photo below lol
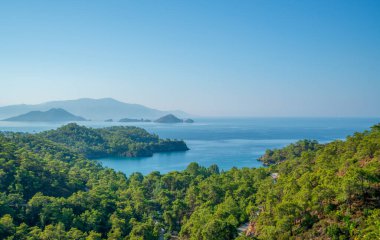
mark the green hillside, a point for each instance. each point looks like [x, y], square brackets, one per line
[50, 191]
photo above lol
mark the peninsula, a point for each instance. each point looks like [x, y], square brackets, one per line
[125, 141]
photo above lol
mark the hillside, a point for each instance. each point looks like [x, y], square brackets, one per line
[326, 191]
[49, 191]
[52, 115]
[92, 109]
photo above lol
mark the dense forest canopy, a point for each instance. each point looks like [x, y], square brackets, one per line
[49, 190]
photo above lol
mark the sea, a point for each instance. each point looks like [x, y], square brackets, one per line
[227, 142]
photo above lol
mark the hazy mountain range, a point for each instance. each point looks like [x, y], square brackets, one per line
[52, 115]
[92, 109]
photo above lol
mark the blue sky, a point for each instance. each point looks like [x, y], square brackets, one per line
[212, 58]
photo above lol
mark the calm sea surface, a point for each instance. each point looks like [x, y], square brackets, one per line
[225, 142]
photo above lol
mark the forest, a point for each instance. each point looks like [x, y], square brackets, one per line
[50, 190]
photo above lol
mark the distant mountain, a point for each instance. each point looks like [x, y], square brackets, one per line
[170, 118]
[52, 115]
[92, 109]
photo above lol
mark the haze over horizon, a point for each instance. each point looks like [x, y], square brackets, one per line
[246, 58]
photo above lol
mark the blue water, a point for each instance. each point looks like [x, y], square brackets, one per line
[225, 142]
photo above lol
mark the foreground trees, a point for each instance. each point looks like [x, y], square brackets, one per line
[49, 190]
[328, 193]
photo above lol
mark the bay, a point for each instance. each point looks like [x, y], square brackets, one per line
[227, 142]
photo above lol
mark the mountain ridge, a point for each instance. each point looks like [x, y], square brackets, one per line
[92, 109]
[51, 115]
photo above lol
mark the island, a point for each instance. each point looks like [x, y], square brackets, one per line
[170, 118]
[52, 115]
[122, 141]
[134, 120]
[108, 120]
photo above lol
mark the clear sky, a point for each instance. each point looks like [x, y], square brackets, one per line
[219, 58]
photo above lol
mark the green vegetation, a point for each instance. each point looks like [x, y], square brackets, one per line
[328, 191]
[112, 141]
[50, 191]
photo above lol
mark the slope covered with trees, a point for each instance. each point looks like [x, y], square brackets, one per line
[50, 191]
[329, 193]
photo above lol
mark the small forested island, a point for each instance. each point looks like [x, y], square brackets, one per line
[134, 120]
[170, 118]
[49, 190]
[52, 115]
[112, 141]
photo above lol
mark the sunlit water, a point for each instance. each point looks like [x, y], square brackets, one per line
[225, 142]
